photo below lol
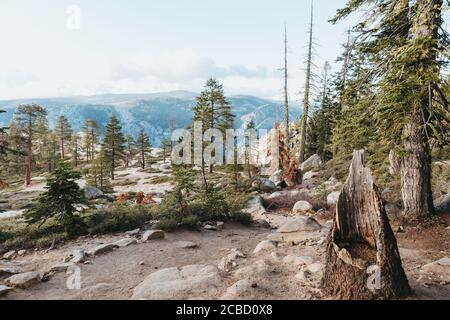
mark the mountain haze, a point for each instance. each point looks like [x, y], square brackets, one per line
[149, 111]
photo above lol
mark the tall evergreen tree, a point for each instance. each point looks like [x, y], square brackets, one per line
[130, 149]
[213, 109]
[113, 145]
[98, 174]
[405, 41]
[144, 147]
[64, 132]
[26, 117]
[91, 133]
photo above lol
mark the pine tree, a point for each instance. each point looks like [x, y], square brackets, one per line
[405, 45]
[26, 117]
[248, 149]
[59, 200]
[286, 95]
[64, 132]
[91, 133]
[113, 145]
[75, 149]
[144, 147]
[213, 110]
[98, 174]
[130, 149]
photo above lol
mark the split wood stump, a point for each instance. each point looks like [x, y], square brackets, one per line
[362, 258]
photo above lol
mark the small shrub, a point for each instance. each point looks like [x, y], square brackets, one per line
[117, 218]
[243, 218]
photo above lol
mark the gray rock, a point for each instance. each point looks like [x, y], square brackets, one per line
[333, 198]
[103, 248]
[442, 204]
[153, 235]
[310, 175]
[125, 242]
[298, 261]
[21, 253]
[277, 178]
[8, 272]
[256, 209]
[314, 267]
[187, 245]
[314, 162]
[228, 263]
[300, 224]
[133, 233]
[220, 225]
[210, 227]
[10, 255]
[262, 224]
[62, 267]
[177, 283]
[4, 290]
[24, 280]
[239, 288]
[302, 207]
[265, 185]
[92, 193]
[76, 256]
[259, 268]
[265, 245]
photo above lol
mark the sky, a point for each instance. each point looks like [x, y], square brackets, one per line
[85, 47]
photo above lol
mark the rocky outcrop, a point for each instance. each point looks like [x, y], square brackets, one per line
[333, 198]
[264, 185]
[265, 245]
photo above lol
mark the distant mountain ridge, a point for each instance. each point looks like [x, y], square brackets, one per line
[149, 111]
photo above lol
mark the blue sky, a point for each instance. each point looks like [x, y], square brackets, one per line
[151, 45]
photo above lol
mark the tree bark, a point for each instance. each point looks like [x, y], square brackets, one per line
[362, 259]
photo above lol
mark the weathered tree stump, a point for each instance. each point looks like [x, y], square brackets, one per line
[362, 259]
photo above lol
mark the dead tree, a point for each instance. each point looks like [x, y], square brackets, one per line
[362, 259]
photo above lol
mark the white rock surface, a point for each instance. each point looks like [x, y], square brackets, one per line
[310, 175]
[62, 267]
[76, 256]
[259, 268]
[177, 283]
[186, 245]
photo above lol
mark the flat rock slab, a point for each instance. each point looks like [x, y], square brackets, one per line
[76, 256]
[440, 268]
[153, 235]
[62, 267]
[295, 237]
[24, 280]
[300, 224]
[187, 245]
[4, 290]
[177, 283]
[125, 242]
[104, 248]
[7, 272]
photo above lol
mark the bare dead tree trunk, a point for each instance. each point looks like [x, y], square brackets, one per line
[304, 121]
[362, 259]
[286, 96]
